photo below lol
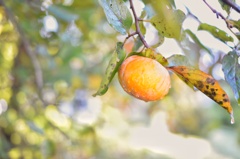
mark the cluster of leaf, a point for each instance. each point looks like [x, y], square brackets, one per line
[168, 22]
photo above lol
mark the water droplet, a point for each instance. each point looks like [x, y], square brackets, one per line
[232, 118]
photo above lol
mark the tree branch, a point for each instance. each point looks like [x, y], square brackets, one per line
[219, 15]
[215, 11]
[232, 4]
[229, 25]
[137, 25]
[27, 46]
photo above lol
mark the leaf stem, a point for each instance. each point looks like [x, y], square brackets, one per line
[137, 25]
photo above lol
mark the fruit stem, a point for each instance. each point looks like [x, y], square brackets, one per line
[129, 35]
[137, 25]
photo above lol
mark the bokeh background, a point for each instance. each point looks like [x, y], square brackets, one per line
[52, 61]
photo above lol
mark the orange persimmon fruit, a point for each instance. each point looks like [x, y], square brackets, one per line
[144, 78]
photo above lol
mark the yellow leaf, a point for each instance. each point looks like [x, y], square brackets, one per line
[206, 84]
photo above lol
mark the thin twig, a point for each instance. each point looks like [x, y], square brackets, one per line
[130, 35]
[232, 4]
[229, 25]
[137, 25]
[27, 46]
[215, 11]
[192, 15]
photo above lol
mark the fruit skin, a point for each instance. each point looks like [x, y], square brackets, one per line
[144, 78]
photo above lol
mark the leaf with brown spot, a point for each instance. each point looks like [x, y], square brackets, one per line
[116, 60]
[206, 84]
[168, 22]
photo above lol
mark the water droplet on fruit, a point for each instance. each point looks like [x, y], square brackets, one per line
[232, 118]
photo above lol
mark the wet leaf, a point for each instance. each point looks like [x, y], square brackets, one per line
[231, 69]
[216, 32]
[116, 60]
[206, 84]
[150, 53]
[178, 60]
[118, 15]
[169, 23]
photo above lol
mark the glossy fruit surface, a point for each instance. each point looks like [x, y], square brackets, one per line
[144, 78]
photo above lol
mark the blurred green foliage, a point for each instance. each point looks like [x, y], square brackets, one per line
[62, 120]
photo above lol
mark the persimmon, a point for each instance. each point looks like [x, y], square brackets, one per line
[144, 78]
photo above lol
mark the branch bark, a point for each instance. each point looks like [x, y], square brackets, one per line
[232, 4]
[137, 25]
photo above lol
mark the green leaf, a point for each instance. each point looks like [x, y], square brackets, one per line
[141, 24]
[118, 15]
[178, 60]
[196, 40]
[216, 32]
[231, 69]
[62, 13]
[116, 60]
[225, 6]
[158, 5]
[169, 23]
[151, 53]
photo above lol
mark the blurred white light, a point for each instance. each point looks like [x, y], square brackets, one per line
[59, 119]
[68, 2]
[76, 63]
[66, 108]
[159, 139]
[89, 115]
[169, 47]
[139, 7]
[46, 4]
[205, 61]
[50, 24]
[217, 72]
[49, 95]
[191, 24]
[3, 106]
[72, 34]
